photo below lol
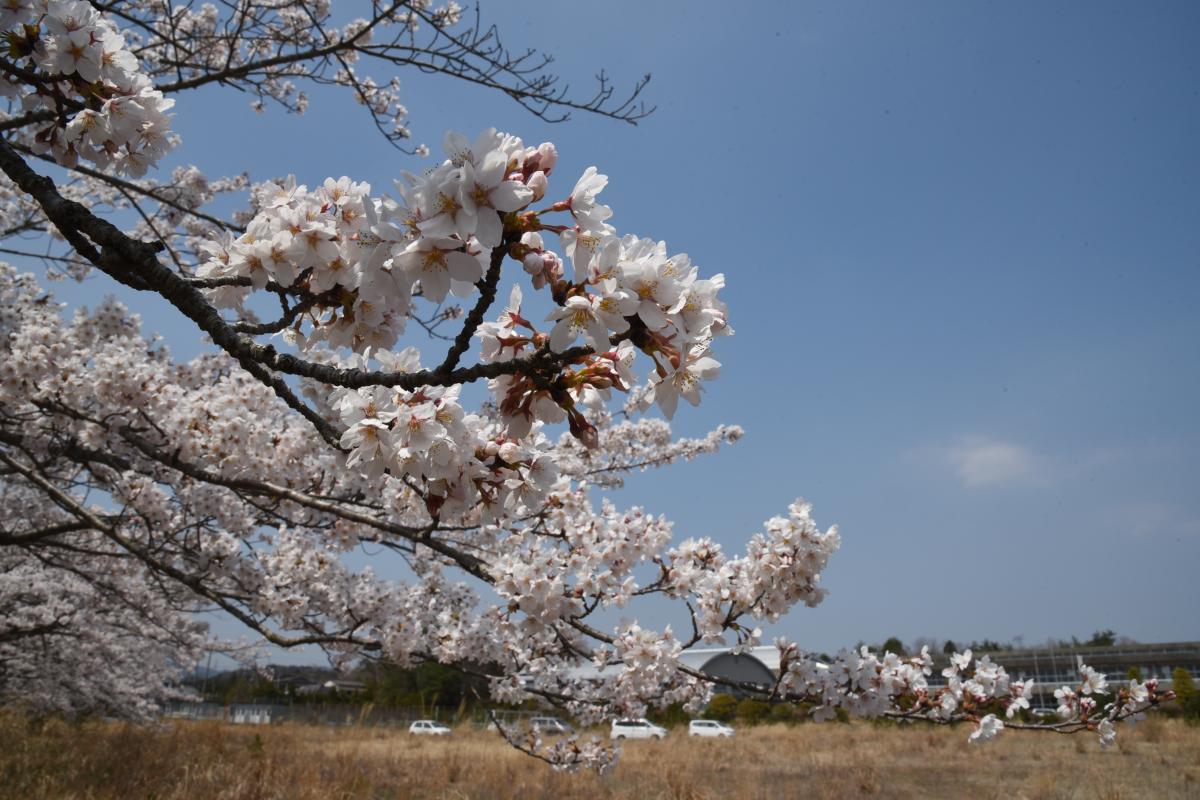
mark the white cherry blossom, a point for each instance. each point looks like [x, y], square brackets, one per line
[989, 727]
[434, 262]
[683, 381]
[589, 214]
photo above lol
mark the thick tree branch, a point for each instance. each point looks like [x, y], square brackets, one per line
[136, 264]
[48, 532]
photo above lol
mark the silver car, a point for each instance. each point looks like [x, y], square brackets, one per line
[636, 729]
[428, 727]
[709, 727]
[550, 726]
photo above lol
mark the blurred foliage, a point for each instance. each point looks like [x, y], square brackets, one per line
[1104, 638]
[670, 717]
[785, 713]
[1186, 694]
[723, 708]
[752, 712]
[427, 685]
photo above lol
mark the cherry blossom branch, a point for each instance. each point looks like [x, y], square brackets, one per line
[469, 563]
[290, 315]
[28, 118]
[487, 296]
[50, 531]
[132, 186]
[136, 265]
[194, 582]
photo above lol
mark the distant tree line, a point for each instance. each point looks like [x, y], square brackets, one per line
[428, 685]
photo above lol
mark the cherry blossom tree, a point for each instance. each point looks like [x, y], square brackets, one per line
[140, 489]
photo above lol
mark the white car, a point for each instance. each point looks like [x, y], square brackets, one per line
[636, 729]
[709, 727]
[550, 726]
[428, 727]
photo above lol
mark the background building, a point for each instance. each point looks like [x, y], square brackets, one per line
[1053, 666]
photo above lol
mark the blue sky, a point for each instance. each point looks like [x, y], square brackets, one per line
[962, 244]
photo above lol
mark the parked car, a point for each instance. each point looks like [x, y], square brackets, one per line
[636, 729]
[709, 727]
[428, 727]
[550, 726]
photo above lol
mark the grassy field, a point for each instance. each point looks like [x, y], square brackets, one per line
[114, 761]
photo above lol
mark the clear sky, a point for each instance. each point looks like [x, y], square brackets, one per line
[962, 244]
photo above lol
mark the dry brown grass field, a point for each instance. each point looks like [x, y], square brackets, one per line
[1158, 758]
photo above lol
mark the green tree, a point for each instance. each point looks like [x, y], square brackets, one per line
[949, 648]
[1186, 694]
[669, 717]
[988, 646]
[427, 685]
[1183, 683]
[722, 707]
[893, 645]
[752, 712]
[783, 712]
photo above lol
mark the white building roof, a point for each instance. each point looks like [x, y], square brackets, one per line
[696, 659]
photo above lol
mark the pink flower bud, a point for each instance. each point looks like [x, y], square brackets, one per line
[537, 181]
[552, 265]
[534, 263]
[547, 156]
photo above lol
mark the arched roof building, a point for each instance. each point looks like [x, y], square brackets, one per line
[756, 665]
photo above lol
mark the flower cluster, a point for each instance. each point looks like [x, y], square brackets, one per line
[358, 261]
[625, 289]
[86, 632]
[635, 445]
[353, 265]
[866, 684]
[782, 567]
[459, 460]
[119, 119]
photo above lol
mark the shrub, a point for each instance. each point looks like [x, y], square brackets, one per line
[752, 712]
[783, 712]
[722, 707]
